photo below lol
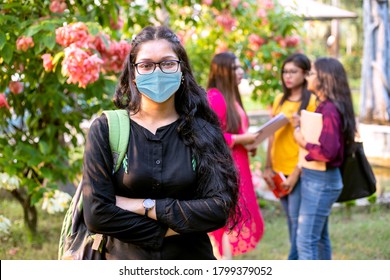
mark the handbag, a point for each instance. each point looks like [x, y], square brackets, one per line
[358, 177]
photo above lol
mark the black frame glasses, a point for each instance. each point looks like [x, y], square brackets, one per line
[291, 72]
[166, 66]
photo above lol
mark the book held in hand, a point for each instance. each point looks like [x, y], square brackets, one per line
[311, 127]
[270, 127]
[279, 191]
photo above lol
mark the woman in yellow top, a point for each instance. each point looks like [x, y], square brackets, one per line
[282, 153]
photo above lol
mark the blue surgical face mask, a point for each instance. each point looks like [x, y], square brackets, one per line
[159, 86]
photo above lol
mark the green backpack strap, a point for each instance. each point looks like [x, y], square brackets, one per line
[119, 132]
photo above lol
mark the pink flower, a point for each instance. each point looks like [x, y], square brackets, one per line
[73, 33]
[3, 101]
[15, 87]
[235, 3]
[250, 54]
[268, 66]
[269, 4]
[292, 41]
[185, 35]
[276, 54]
[58, 6]
[255, 41]
[222, 47]
[113, 55]
[282, 43]
[207, 2]
[278, 38]
[226, 21]
[100, 43]
[24, 43]
[80, 67]
[47, 62]
[13, 251]
[116, 25]
[261, 13]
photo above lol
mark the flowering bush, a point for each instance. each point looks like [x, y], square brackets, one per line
[259, 32]
[9, 183]
[59, 66]
[56, 202]
[5, 225]
[60, 61]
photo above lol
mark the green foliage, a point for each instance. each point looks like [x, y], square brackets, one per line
[41, 134]
[276, 31]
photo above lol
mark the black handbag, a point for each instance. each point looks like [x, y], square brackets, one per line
[358, 178]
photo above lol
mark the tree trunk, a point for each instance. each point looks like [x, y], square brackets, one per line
[30, 214]
[375, 91]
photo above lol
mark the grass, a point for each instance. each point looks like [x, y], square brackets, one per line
[19, 245]
[361, 233]
[357, 233]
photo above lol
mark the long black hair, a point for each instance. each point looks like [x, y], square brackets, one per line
[303, 62]
[223, 77]
[333, 83]
[215, 165]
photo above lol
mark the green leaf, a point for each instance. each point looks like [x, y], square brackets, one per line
[47, 173]
[61, 78]
[33, 30]
[93, 28]
[7, 52]
[49, 40]
[57, 57]
[43, 147]
[3, 40]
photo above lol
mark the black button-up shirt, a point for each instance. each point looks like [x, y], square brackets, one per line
[161, 167]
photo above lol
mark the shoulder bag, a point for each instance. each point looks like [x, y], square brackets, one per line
[358, 178]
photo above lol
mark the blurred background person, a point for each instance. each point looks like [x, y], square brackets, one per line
[320, 189]
[225, 75]
[282, 151]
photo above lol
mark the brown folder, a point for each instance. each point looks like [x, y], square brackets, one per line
[311, 126]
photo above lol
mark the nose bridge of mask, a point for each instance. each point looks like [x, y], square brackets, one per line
[159, 82]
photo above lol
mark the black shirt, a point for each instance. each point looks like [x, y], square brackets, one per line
[160, 167]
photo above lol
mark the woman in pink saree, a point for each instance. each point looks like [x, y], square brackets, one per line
[225, 75]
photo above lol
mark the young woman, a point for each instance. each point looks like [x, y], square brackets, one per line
[320, 189]
[180, 182]
[225, 75]
[282, 152]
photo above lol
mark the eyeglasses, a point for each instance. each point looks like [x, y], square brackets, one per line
[166, 66]
[291, 72]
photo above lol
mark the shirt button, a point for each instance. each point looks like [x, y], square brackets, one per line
[158, 161]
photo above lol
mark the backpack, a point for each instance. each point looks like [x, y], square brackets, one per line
[76, 242]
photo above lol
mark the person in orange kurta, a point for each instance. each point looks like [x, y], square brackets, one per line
[225, 75]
